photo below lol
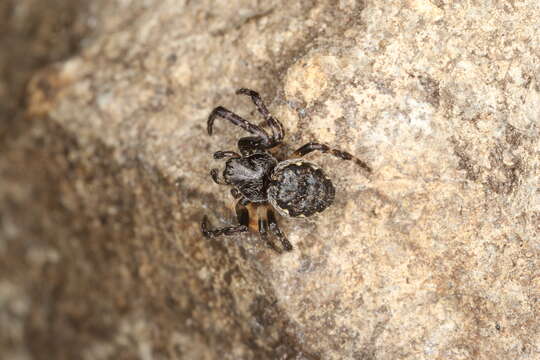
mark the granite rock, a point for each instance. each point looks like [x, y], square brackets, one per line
[435, 255]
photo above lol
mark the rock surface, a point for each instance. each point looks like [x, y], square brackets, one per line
[433, 256]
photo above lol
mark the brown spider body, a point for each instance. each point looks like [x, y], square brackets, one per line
[294, 187]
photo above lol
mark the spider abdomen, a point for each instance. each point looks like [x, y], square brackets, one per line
[298, 188]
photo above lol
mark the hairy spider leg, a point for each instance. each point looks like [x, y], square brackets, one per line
[263, 228]
[220, 111]
[226, 154]
[277, 128]
[229, 230]
[273, 225]
[242, 213]
[214, 173]
[249, 145]
[235, 193]
[312, 146]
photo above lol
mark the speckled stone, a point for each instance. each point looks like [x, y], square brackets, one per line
[433, 256]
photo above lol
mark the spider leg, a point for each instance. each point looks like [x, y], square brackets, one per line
[238, 196]
[235, 193]
[251, 144]
[220, 111]
[242, 213]
[263, 231]
[277, 231]
[311, 146]
[277, 128]
[214, 173]
[223, 154]
[229, 230]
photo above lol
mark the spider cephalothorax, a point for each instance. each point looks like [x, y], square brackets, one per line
[261, 183]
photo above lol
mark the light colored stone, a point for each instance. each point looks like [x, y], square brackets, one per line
[434, 256]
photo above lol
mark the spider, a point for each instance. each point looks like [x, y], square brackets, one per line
[260, 183]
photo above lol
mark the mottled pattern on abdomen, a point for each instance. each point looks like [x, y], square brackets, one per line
[299, 188]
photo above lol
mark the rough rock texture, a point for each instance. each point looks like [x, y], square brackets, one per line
[33, 33]
[434, 256]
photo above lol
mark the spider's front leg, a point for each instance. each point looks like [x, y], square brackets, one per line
[226, 154]
[312, 146]
[251, 144]
[277, 128]
[214, 173]
[224, 113]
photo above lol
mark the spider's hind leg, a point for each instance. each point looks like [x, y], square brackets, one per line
[243, 215]
[273, 225]
[312, 146]
[263, 223]
[229, 230]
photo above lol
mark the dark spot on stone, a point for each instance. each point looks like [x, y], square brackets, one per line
[45, 88]
[528, 80]
[228, 275]
[507, 180]
[431, 87]
[465, 162]
[178, 181]
[264, 311]
[365, 354]
[243, 253]
[305, 263]
[103, 219]
[513, 136]
[171, 59]
[171, 302]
